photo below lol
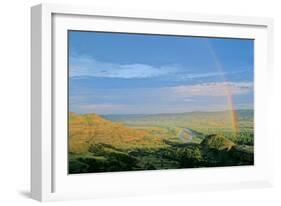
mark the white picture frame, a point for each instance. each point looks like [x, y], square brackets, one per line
[49, 178]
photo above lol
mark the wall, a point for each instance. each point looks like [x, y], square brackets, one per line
[15, 95]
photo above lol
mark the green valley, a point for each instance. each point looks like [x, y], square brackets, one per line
[136, 142]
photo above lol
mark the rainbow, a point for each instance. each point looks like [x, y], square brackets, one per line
[228, 92]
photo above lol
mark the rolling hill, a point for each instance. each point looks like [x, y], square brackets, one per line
[88, 129]
[164, 141]
[204, 122]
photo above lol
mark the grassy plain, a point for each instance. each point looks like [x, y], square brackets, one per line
[164, 141]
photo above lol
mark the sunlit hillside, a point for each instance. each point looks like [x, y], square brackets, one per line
[88, 129]
[164, 141]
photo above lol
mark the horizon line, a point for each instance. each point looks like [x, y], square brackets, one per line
[164, 113]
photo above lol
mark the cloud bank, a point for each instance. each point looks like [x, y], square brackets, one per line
[87, 66]
[184, 98]
[213, 89]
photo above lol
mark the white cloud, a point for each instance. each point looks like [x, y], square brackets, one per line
[210, 74]
[185, 98]
[213, 89]
[81, 66]
[86, 66]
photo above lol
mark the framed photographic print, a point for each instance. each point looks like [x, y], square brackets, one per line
[137, 102]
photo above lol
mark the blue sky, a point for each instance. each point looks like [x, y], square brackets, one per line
[114, 73]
